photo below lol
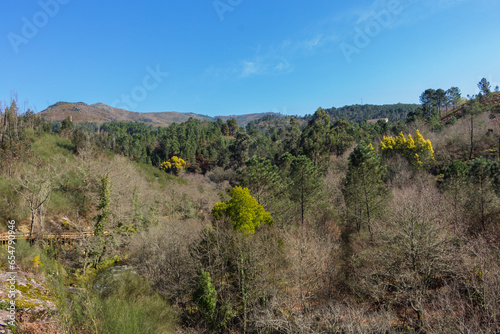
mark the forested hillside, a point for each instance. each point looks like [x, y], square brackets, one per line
[360, 113]
[327, 224]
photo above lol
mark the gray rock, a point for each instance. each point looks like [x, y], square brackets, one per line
[4, 318]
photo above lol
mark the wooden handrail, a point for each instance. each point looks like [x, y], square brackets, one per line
[64, 235]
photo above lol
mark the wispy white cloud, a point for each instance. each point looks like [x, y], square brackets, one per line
[250, 68]
[310, 44]
[282, 66]
[278, 59]
[324, 34]
[275, 60]
[268, 64]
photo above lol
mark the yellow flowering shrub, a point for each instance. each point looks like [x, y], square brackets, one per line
[174, 165]
[37, 262]
[418, 151]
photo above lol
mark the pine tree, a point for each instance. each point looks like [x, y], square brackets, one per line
[484, 86]
[104, 205]
[364, 188]
[305, 184]
[453, 96]
[343, 136]
[427, 98]
[317, 138]
[263, 179]
[483, 204]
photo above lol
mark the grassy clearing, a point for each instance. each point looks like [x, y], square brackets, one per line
[49, 146]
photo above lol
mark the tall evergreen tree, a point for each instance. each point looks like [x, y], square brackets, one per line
[483, 204]
[484, 86]
[305, 184]
[292, 137]
[104, 205]
[316, 140]
[453, 96]
[427, 100]
[263, 179]
[344, 136]
[364, 188]
[439, 99]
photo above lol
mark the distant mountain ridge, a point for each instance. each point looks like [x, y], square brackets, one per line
[81, 112]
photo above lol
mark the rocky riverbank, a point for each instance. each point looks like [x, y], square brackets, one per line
[34, 306]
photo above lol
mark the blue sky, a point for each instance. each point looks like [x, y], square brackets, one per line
[228, 57]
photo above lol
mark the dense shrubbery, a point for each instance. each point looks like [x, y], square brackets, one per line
[304, 228]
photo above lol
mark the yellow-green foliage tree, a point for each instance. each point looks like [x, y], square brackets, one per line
[174, 165]
[240, 217]
[419, 152]
[245, 213]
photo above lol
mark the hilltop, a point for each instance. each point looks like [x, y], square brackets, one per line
[81, 112]
[492, 102]
[101, 113]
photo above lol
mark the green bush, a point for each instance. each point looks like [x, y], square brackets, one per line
[126, 304]
[153, 174]
[10, 207]
[59, 204]
[49, 145]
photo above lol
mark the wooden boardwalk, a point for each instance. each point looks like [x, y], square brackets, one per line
[65, 237]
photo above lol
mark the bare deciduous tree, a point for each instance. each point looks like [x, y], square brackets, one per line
[414, 253]
[35, 186]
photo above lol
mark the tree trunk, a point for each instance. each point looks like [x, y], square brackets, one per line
[243, 291]
[302, 205]
[471, 136]
[367, 203]
[32, 223]
[483, 219]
